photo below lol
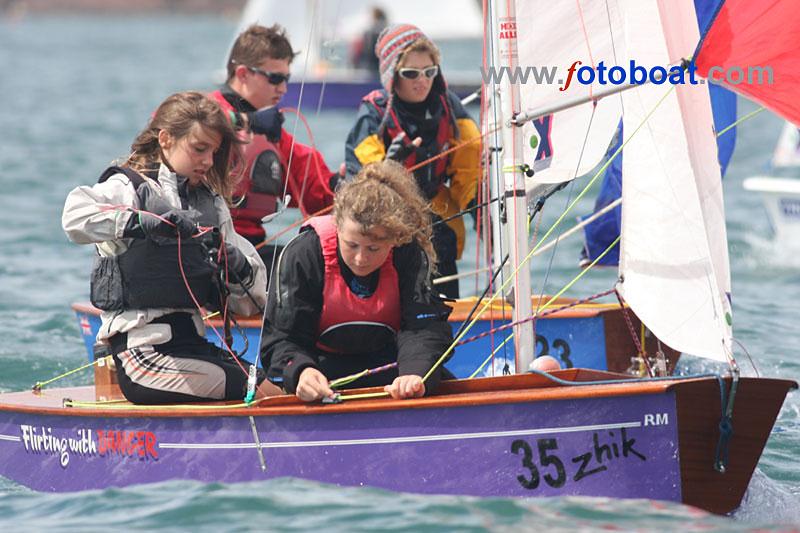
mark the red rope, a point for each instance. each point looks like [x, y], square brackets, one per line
[642, 354]
[313, 157]
[202, 230]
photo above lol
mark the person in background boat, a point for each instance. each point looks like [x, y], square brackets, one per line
[140, 216]
[258, 77]
[353, 292]
[362, 53]
[413, 118]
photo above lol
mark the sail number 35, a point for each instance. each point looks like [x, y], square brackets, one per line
[558, 475]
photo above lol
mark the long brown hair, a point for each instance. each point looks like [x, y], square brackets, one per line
[385, 195]
[177, 115]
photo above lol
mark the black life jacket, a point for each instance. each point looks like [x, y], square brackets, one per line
[148, 274]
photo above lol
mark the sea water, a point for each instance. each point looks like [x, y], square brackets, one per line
[77, 91]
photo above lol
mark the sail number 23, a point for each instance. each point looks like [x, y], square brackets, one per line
[543, 348]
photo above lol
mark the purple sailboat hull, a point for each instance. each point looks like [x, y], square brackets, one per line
[595, 447]
[508, 437]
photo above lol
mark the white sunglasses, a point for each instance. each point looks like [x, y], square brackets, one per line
[414, 73]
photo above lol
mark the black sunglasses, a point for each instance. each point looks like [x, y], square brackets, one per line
[414, 73]
[275, 78]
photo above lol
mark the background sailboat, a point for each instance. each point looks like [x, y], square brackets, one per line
[780, 189]
[323, 33]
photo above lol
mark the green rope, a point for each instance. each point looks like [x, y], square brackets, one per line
[560, 219]
[491, 355]
[41, 384]
[740, 120]
[133, 407]
[364, 395]
[511, 336]
[581, 274]
[571, 283]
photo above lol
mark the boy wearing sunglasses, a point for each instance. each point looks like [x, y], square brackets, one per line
[413, 118]
[258, 74]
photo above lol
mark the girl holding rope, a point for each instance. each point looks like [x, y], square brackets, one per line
[353, 291]
[166, 246]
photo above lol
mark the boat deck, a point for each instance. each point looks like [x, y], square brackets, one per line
[517, 388]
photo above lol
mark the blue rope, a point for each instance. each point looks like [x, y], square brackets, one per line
[618, 381]
[725, 432]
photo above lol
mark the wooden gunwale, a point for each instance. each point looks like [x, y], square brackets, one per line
[461, 309]
[459, 393]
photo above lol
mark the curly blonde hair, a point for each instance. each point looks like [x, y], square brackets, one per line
[385, 195]
[177, 115]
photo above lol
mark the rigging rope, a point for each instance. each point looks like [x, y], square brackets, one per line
[538, 315]
[562, 291]
[39, 385]
[632, 330]
[552, 228]
[572, 186]
[68, 402]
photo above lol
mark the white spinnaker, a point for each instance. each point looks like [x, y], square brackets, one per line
[558, 34]
[673, 257]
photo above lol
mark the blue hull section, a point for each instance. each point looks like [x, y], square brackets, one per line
[576, 341]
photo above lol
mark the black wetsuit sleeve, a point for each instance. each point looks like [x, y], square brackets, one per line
[424, 331]
[294, 306]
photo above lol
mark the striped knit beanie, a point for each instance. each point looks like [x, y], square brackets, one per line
[391, 42]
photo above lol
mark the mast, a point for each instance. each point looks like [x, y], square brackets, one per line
[511, 212]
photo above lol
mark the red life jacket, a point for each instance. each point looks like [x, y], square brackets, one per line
[348, 323]
[252, 205]
[431, 176]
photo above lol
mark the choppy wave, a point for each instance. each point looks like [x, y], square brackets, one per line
[295, 505]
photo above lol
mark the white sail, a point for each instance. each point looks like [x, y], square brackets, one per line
[787, 151]
[558, 34]
[440, 20]
[674, 258]
[320, 29]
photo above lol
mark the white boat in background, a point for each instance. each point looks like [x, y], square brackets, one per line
[780, 191]
[322, 33]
